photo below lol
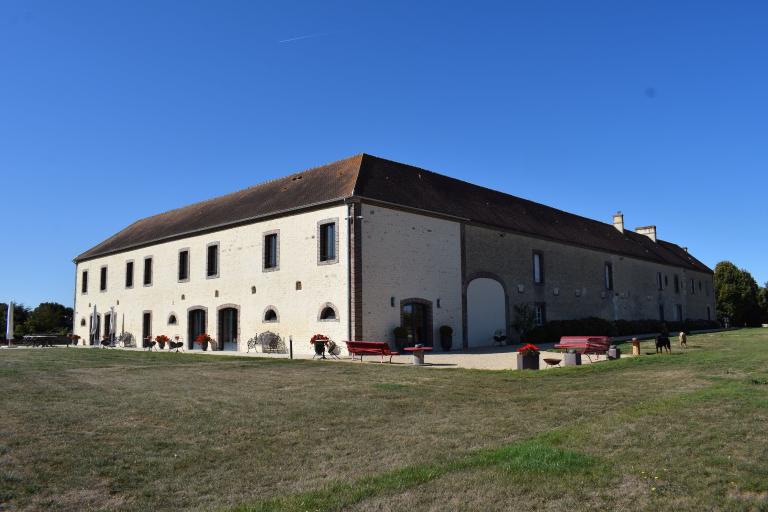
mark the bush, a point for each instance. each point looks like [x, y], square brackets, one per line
[552, 331]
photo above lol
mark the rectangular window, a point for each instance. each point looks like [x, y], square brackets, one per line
[659, 281]
[327, 242]
[679, 312]
[212, 261]
[538, 268]
[103, 279]
[709, 313]
[699, 286]
[183, 265]
[677, 284]
[84, 282]
[609, 276]
[129, 274]
[271, 252]
[148, 271]
[661, 312]
[540, 313]
[693, 287]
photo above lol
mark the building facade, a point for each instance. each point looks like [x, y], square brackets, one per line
[358, 247]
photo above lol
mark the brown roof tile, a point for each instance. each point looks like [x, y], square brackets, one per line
[373, 178]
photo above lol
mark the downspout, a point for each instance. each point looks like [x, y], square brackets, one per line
[350, 220]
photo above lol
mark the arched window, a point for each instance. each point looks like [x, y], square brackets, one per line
[172, 319]
[82, 322]
[328, 313]
[270, 314]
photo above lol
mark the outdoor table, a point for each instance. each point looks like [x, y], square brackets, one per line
[418, 354]
[635, 347]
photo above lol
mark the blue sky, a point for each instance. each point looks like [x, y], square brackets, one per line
[112, 111]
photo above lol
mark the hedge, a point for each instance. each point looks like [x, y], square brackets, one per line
[592, 326]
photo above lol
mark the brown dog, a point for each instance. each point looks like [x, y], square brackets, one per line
[683, 338]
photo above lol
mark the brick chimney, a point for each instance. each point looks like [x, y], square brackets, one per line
[618, 221]
[649, 231]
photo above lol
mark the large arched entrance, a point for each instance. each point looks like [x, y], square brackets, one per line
[486, 311]
[196, 325]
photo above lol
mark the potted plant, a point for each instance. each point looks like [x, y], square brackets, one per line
[203, 339]
[162, 340]
[401, 337]
[528, 357]
[446, 337]
[318, 341]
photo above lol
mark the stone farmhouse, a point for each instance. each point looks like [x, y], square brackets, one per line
[358, 247]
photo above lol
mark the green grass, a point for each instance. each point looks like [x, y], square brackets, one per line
[112, 430]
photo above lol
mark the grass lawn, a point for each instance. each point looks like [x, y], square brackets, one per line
[118, 430]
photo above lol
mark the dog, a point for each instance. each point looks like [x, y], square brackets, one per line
[683, 339]
[662, 342]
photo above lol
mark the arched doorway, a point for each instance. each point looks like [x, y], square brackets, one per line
[228, 328]
[196, 325]
[486, 311]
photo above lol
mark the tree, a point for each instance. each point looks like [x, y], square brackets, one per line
[20, 315]
[762, 302]
[49, 317]
[736, 292]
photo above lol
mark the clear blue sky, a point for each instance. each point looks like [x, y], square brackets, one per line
[112, 111]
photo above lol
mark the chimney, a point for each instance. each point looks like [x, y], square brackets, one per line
[649, 231]
[618, 221]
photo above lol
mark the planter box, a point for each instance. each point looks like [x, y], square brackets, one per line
[527, 362]
[571, 359]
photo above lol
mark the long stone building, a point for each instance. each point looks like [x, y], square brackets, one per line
[358, 247]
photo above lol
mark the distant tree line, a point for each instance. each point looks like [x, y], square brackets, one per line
[47, 318]
[739, 298]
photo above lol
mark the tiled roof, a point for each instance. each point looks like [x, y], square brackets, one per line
[369, 177]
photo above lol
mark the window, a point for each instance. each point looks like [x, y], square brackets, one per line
[661, 312]
[659, 282]
[677, 284]
[666, 280]
[679, 312]
[609, 276]
[326, 238]
[103, 279]
[540, 313]
[538, 268]
[212, 261]
[184, 265]
[129, 274]
[148, 271]
[706, 289]
[172, 319]
[693, 287]
[271, 252]
[84, 282]
[270, 315]
[328, 313]
[709, 313]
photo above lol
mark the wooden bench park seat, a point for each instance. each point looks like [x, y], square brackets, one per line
[361, 348]
[585, 345]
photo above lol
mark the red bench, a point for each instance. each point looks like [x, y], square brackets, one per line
[361, 348]
[586, 344]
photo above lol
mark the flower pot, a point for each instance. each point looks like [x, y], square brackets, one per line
[320, 348]
[161, 344]
[446, 341]
[527, 361]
